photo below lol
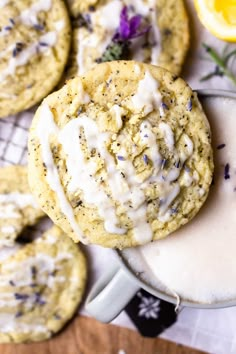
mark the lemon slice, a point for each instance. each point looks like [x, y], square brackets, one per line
[219, 17]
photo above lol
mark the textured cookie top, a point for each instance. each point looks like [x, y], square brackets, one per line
[77, 6]
[150, 31]
[41, 286]
[125, 156]
[18, 207]
[34, 46]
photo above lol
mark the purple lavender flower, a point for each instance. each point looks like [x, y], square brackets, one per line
[129, 29]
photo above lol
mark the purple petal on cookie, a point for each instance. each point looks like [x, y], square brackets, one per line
[226, 171]
[121, 158]
[145, 159]
[163, 163]
[43, 44]
[21, 296]
[163, 105]
[189, 105]
[38, 27]
[39, 300]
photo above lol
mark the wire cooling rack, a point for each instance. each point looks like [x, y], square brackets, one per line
[13, 151]
[13, 138]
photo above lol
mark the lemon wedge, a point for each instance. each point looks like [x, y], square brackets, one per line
[219, 17]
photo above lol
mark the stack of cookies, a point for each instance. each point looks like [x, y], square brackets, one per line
[119, 156]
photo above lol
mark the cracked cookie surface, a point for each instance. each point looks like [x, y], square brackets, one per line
[34, 47]
[125, 158]
[41, 286]
[165, 44]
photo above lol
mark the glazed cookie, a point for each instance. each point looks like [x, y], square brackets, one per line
[125, 157]
[34, 47]
[41, 286]
[161, 38]
[18, 208]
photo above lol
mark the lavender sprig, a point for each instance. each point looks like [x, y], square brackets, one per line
[222, 64]
[129, 29]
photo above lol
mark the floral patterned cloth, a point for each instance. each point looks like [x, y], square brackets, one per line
[150, 315]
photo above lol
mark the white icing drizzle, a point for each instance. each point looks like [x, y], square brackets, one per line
[6, 252]
[52, 177]
[165, 203]
[48, 238]
[117, 111]
[49, 40]
[169, 189]
[134, 197]
[187, 179]
[168, 135]
[109, 15]
[189, 143]
[7, 229]
[12, 203]
[21, 274]
[4, 32]
[201, 192]
[83, 177]
[5, 51]
[137, 69]
[9, 211]
[155, 35]
[147, 96]
[19, 199]
[83, 96]
[29, 16]
[148, 9]
[3, 3]
[149, 139]
[89, 40]
[59, 25]
[83, 172]
[80, 54]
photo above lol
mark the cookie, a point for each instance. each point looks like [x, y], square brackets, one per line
[165, 44]
[41, 286]
[18, 207]
[34, 47]
[75, 7]
[125, 157]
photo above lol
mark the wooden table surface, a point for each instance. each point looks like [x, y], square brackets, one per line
[87, 336]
